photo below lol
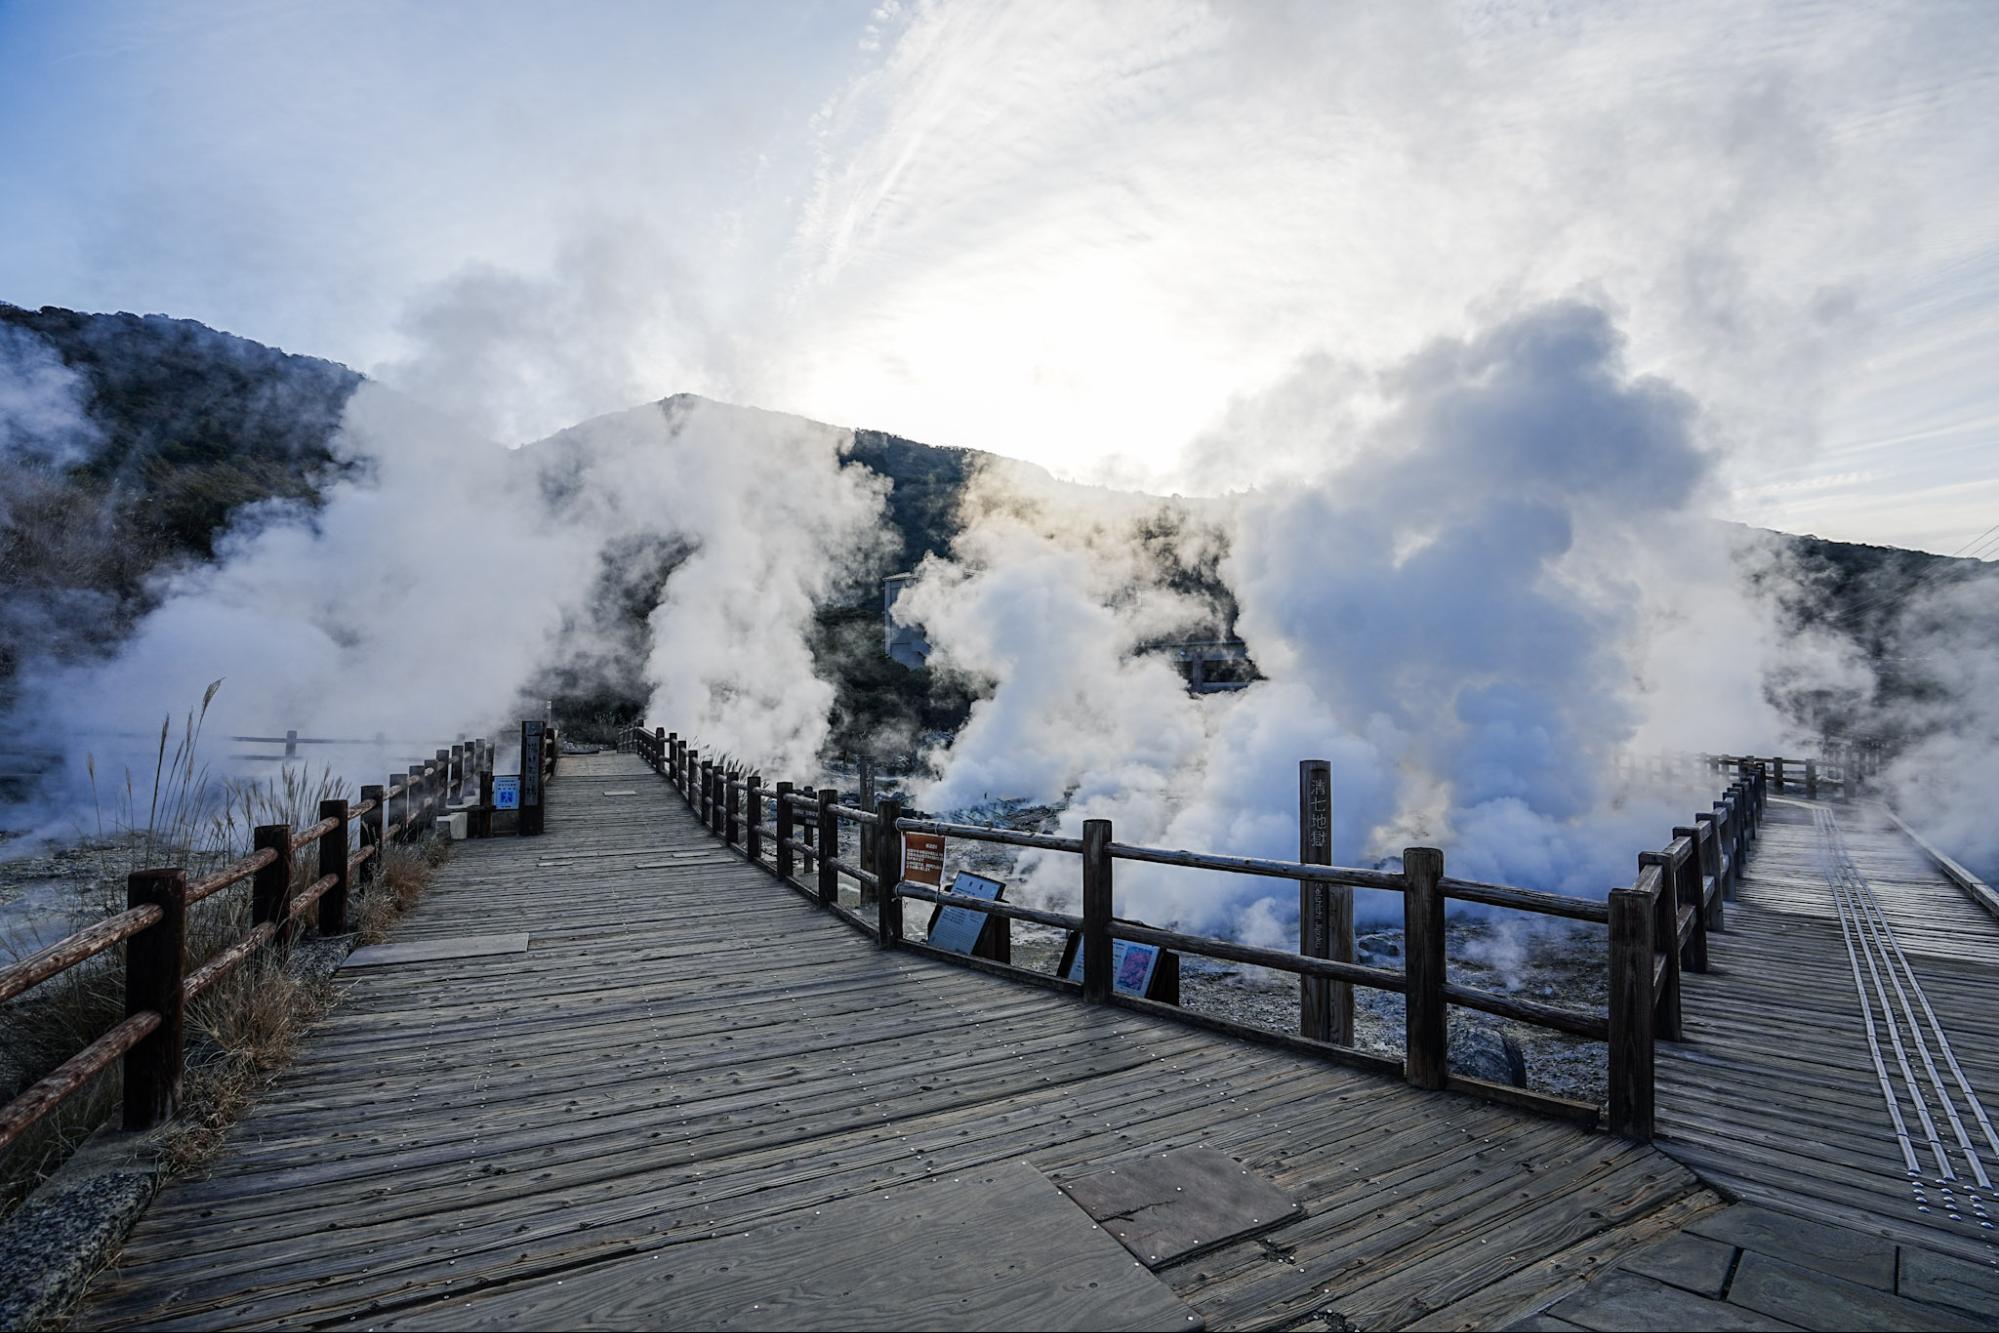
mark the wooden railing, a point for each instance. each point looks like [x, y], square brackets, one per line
[1842, 777]
[1655, 928]
[1659, 928]
[160, 978]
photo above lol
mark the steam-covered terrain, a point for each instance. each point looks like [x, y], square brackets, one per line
[1470, 598]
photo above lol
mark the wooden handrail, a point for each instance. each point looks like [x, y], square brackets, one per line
[149, 1037]
[1655, 927]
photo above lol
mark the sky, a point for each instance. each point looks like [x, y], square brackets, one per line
[1082, 234]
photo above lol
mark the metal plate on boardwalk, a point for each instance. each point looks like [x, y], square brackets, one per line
[506, 792]
[957, 928]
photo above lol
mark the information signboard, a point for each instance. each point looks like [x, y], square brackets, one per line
[923, 859]
[506, 792]
[531, 732]
[1132, 966]
[958, 928]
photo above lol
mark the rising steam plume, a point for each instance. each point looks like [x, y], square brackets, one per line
[1498, 577]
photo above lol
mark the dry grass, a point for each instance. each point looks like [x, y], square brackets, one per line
[245, 1037]
[405, 872]
[245, 1026]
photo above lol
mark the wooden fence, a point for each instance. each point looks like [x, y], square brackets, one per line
[160, 978]
[1843, 776]
[1656, 928]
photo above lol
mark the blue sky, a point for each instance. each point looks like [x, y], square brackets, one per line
[1073, 233]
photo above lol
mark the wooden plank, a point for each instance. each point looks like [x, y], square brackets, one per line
[503, 1123]
[997, 1249]
[431, 951]
[1168, 1207]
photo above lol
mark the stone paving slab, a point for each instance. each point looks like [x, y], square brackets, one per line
[1626, 1301]
[1818, 1300]
[1692, 1263]
[1850, 1255]
[1747, 1267]
[1940, 1279]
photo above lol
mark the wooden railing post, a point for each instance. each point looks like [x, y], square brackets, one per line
[333, 861]
[753, 810]
[785, 834]
[659, 750]
[397, 813]
[718, 798]
[1665, 942]
[809, 830]
[1690, 887]
[829, 845]
[529, 820]
[271, 885]
[1426, 1054]
[1325, 912]
[485, 815]
[444, 793]
[1632, 1002]
[155, 966]
[371, 834]
[1811, 779]
[732, 823]
[1099, 902]
[1777, 772]
[458, 772]
[1710, 824]
[708, 792]
[888, 868]
[419, 803]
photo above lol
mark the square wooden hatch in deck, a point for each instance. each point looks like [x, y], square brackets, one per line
[1173, 1205]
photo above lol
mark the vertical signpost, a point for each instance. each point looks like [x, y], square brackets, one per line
[1325, 912]
[529, 819]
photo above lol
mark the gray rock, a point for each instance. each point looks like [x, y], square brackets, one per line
[1483, 1052]
[52, 1245]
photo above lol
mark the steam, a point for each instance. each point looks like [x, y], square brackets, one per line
[1479, 598]
[442, 573]
[42, 420]
[1947, 716]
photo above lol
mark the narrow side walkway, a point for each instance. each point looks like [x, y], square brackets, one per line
[645, 1117]
[1840, 1056]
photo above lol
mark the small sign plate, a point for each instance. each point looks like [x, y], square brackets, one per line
[923, 859]
[1132, 966]
[957, 928]
[506, 792]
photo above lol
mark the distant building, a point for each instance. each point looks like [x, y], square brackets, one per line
[903, 643]
[1213, 665]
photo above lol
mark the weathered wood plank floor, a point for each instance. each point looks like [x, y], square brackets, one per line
[688, 1056]
[1775, 1096]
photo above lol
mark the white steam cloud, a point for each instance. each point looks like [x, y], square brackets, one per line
[1498, 578]
[42, 421]
[442, 573]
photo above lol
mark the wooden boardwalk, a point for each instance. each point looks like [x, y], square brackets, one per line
[1775, 1095]
[693, 1100]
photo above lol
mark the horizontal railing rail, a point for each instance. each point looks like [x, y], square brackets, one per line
[1654, 929]
[161, 978]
